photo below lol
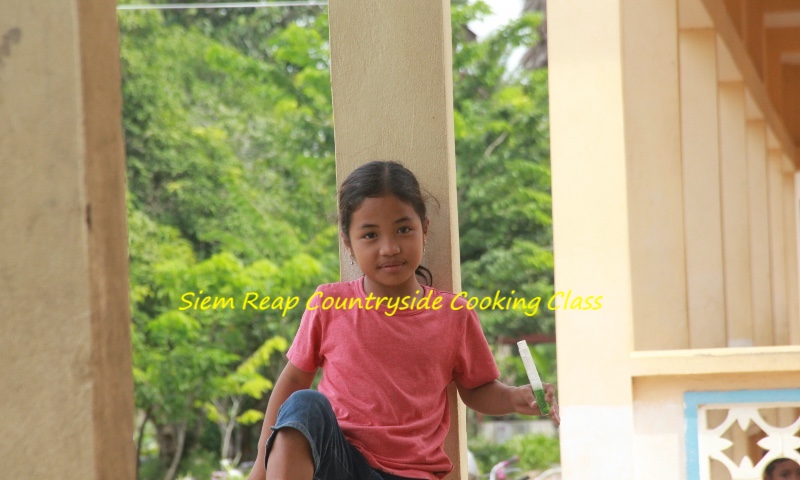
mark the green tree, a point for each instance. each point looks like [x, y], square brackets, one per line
[231, 391]
[188, 358]
[231, 178]
[535, 451]
[502, 153]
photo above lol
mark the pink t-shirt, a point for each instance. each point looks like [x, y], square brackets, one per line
[386, 376]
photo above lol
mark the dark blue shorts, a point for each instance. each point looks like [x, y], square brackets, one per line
[310, 413]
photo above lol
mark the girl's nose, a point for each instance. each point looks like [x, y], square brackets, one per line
[389, 247]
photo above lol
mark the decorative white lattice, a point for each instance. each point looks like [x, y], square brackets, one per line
[712, 444]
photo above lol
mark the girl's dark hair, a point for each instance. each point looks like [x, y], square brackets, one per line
[772, 465]
[376, 179]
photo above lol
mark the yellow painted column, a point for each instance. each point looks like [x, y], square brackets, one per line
[591, 236]
[780, 319]
[758, 213]
[790, 245]
[735, 225]
[701, 189]
[656, 211]
[66, 407]
[391, 77]
[796, 207]
[653, 148]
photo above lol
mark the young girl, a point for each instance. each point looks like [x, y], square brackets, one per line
[782, 469]
[387, 353]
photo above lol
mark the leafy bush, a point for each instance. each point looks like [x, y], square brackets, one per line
[535, 451]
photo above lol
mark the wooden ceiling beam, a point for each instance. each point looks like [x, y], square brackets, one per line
[736, 12]
[791, 88]
[718, 11]
[780, 79]
[776, 5]
[753, 33]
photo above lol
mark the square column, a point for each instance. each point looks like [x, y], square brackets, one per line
[592, 231]
[391, 77]
[66, 408]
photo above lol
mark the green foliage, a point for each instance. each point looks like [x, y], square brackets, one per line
[250, 417]
[535, 451]
[229, 142]
[150, 467]
[502, 151]
[234, 152]
[245, 381]
[185, 356]
[199, 465]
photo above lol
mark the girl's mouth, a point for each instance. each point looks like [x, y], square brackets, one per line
[392, 267]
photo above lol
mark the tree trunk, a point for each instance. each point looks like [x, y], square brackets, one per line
[176, 459]
[229, 427]
[536, 56]
[139, 440]
[237, 445]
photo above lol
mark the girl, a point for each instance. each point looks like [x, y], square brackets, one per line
[782, 469]
[381, 411]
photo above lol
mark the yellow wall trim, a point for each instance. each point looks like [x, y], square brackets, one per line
[715, 361]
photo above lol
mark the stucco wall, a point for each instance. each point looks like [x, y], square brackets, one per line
[673, 197]
[66, 408]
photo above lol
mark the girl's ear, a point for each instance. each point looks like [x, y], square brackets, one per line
[425, 226]
[345, 241]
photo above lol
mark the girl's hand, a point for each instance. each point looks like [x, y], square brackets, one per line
[525, 402]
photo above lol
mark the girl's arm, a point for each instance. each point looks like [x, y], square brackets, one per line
[495, 398]
[291, 380]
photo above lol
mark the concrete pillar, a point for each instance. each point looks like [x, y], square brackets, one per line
[655, 182]
[759, 232]
[66, 408]
[777, 250]
[790, 245]
[796, 214]
[391, 77]
[592, 235]
[735, 225]
[780, 319]
[701, 189]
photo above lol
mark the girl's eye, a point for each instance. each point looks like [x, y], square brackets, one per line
[404, 229]
[369, 235]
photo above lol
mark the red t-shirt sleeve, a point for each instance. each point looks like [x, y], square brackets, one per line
[474, 364]
[306, 350]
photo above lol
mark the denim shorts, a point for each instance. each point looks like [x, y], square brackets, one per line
[310, 413]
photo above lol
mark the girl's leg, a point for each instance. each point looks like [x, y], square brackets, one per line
[307, 442]
[290, 457]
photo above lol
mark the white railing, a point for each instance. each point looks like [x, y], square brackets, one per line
[742, 430]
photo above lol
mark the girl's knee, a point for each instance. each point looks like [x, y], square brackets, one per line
[307, 407]
[310, 400]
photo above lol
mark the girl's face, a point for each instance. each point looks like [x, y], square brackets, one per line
[386, 239]
[786, 470]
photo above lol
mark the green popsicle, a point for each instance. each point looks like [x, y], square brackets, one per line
[533, 377]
